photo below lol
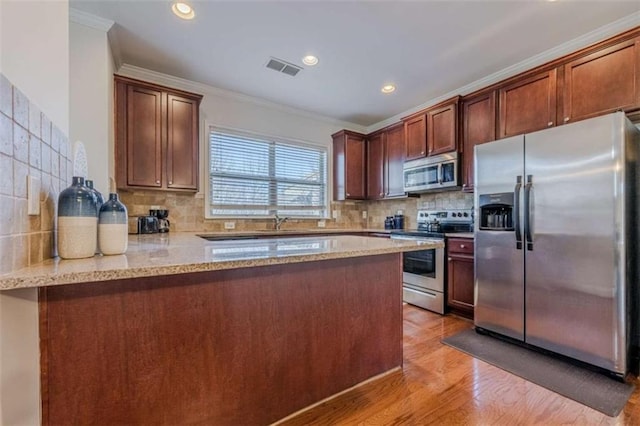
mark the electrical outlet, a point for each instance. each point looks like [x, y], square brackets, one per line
[229, 225]
[334, 214]
[400, 212]
[364, 214]
[322, 224]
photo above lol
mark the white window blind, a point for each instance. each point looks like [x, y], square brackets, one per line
[256, 176]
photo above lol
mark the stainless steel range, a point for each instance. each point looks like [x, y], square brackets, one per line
[424, 271]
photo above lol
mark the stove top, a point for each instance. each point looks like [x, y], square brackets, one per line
[437, 223]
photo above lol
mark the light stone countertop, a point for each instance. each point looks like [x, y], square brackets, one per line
[178, 253]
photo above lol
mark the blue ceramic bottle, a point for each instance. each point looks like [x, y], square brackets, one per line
[99, 202]
[113, 227]
[96, 193]
[77, 221]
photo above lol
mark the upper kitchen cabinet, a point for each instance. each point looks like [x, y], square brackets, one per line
[478, 127]
[349, 166]
[432, 131]
[376, 166]
[395, 152]
[415, 136]
[385, 159]
[601, 82]
[442, 127]
[157, 133]
[527, 105]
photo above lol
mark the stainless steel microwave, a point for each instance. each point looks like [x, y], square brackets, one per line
[431, 173]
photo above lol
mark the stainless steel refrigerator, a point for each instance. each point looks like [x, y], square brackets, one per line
[556, 238]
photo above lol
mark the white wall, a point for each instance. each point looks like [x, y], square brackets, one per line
[35, 54]
[91, 99]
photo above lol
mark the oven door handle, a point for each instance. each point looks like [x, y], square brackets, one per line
[440, 173]
[516, 212]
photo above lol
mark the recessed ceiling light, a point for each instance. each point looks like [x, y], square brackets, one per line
[183, 10]
[310, 60]
[388, 88]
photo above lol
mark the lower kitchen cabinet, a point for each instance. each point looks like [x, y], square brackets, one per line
[460, 286]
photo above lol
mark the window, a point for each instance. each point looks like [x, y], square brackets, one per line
[258, 176]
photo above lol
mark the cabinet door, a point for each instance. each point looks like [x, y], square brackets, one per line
[395, 161]
[415, 135]
[144, 137]
[479, 126]
[605, 81]
[376, 167]
[182, 143]
[442, 129]
[528, 105]
[460, 291]
[355, 169]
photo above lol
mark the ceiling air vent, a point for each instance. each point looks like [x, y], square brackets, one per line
[283, 67]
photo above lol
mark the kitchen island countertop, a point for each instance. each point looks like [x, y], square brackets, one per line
[177, 253]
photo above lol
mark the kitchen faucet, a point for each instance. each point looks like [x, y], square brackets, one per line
[279, 221]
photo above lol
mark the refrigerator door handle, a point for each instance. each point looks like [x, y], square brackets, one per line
[527, 212]
[516, 212]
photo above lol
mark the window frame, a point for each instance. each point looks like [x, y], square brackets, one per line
[209, 127]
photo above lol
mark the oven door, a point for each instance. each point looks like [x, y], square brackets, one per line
[424, 269]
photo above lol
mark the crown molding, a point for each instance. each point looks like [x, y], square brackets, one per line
[89, 20]
[132, 71]
[599, 34]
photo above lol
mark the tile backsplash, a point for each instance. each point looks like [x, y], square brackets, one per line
[30, 145]
[186, 211]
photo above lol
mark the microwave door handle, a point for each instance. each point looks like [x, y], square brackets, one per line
[516, 212]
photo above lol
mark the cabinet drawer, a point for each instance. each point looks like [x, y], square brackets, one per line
[460, 245]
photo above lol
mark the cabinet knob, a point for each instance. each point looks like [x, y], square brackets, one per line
[422, 152]
[170, 182]
[462, 246]
[449, 259]
[566, 119]
[348, 194]
[381, 194]
[550, 123]
[157, 181]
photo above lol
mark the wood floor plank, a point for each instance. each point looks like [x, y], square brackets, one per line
[439, 385]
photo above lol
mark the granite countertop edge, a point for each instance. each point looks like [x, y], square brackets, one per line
[180, 253]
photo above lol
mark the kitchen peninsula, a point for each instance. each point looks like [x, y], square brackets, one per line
[183, 330]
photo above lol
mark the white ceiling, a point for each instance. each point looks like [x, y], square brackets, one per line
[427, 48]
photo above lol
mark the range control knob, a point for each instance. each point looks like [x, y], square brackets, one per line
[465, 214]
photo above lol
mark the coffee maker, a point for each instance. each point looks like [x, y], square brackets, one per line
[163, 222]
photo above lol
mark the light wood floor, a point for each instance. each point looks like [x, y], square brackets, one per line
[440, 385]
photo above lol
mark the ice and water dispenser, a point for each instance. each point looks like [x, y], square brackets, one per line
[496, 211]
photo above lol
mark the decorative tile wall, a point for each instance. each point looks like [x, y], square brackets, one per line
[30, 144]
[186, 212]
[379, 210]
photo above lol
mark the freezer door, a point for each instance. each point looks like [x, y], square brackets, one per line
[575, 270]
[499, 264]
